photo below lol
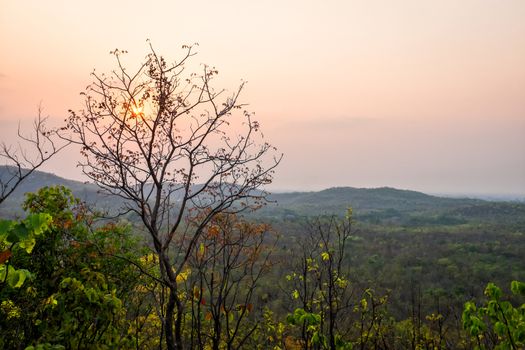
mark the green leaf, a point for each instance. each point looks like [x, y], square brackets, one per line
[315, 338]
[295, 294]
[16, 278]
[500, 328]
[492, 291]
[28, 244]
[364, 304]
[3, 272]
[13, 235]
[290, 319]
[38, 223]
[5, 226]
[474, 330]
[22, 231]
[517, 288]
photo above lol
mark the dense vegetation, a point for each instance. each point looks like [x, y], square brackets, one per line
[72, 280]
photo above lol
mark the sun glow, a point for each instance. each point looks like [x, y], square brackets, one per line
[137, 110]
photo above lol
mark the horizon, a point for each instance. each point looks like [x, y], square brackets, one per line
[520, 197]
[409, 95]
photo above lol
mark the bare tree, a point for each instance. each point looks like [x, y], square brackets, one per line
[171, 146]
[31, 151]
[231, 259]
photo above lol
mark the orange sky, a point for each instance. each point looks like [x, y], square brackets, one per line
[426, 95]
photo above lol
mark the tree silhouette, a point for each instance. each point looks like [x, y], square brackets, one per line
[31, 151]
[172, 147]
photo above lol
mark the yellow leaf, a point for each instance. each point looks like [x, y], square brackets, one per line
[183, 276]
[295, 294]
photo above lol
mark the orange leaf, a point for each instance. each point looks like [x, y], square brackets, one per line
[213, 231]
[67, 224]
[208, 316]
[4, 256]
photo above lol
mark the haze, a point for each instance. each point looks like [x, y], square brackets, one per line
[424, 95]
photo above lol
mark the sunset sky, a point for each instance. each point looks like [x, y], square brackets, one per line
[422, 95]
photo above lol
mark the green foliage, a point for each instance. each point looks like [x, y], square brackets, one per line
[45, 346]
[14, 278]
[300, 317]
[86, 310]
[67, 280]
[77, 294]
[19, 237]
[518, 288]
[311, 323]
[271, 333]
[321, 286]
[497, 316]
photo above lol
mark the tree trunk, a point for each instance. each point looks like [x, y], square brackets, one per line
[217, 333]
[178, 322]
[171, 343]
[332, 332]
[173, 338]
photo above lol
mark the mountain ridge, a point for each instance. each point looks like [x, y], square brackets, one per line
[381, 205]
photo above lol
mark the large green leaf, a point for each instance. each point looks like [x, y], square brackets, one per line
[18, 232]
[5, 226]
[38, 223]
[28, 244]
[16, 278]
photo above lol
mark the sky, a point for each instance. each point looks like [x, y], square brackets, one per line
[422, 95]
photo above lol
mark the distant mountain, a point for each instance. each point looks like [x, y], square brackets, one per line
[382, 206]
[89, 193]
[367, 199]
[364, 201]
[390, 206]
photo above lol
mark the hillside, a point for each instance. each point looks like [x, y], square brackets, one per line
[383, 206]
[367, 200]
[89, 193]
[390, 206]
